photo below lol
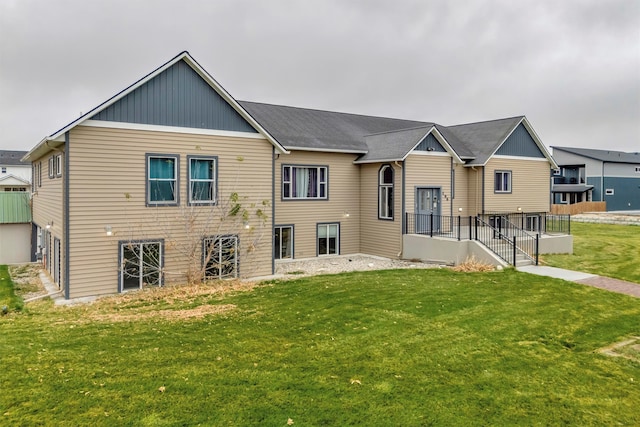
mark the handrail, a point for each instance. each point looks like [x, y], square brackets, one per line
[496, 241]
[526, 243]
[498, 232]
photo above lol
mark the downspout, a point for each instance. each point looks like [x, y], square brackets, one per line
[65, 220]
[273, 209]
[602, 184]
[451, 189]
[402, 207]
[483, 190]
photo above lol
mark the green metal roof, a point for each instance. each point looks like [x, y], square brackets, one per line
[15, 207]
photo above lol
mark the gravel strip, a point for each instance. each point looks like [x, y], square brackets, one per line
[344, 263]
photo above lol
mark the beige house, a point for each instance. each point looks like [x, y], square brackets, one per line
[173, 178]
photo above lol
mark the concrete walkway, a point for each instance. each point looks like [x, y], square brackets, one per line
[606, 283]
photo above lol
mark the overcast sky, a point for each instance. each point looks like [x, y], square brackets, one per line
[572, 67]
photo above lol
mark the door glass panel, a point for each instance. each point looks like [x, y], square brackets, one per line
[131, 266]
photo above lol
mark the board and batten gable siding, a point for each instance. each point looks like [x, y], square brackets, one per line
[520, 144]
[530, 185]
[107, 188]
[343, 187]
[381, 237]
[176, 97]
[433, 171]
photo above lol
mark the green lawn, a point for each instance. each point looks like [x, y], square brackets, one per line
[603, 249]
[8, 299]
[404, 347]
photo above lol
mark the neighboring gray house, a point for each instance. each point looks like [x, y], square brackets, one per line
[586, 174]
[15, 175]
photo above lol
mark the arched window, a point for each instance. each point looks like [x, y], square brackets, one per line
[385, 192]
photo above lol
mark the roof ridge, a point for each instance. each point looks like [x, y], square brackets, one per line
[486, 121]
[335, 112]
[427, 125]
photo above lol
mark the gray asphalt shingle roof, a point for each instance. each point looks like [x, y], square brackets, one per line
[12, 158]
[393, 145]
[484, 138]
[377, 138]
[322, 130]
[603, 155]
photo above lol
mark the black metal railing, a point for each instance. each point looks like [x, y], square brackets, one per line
[539, 222]
[452, 227]
[493, 238]
[525, 242]
[505, 234]
[557, 223]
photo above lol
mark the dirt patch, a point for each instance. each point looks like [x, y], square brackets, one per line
[629, 349]
[26, 280]
[171, 315]
[169, 303]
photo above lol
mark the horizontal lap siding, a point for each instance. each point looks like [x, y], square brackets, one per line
[107, 187]
[530, 180]
[343, 184]
[461, 192]
[474, 190]
[428, 171]
[379, 237]
[48, 200]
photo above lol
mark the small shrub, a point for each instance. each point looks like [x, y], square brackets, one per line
[473, 265]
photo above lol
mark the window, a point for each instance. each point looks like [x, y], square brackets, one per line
[283, 241]
[58, 163]
[328, 239]
[385, 192]
[557, 172]
[51, 167]
[502, 182]
[220, 257]
[637, 170]
[39, 174]
[609, 192]
[162, 179]
[4, 170]
[304, 182]
[202, 180]
[533, 223]
[140, 264]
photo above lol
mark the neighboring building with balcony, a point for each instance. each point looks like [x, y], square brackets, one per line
[586, 175]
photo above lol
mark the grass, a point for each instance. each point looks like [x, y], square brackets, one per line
[602, 249]
[404, 347]
[8, 298]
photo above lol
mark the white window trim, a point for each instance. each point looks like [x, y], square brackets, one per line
[282, 227]
[328, 225]
[609, 192]
[384, 191]
[509, 185]
[51, 167]
[320, 183]
[58, 163]
[236, 251]
[175, 180]
[213, 181]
